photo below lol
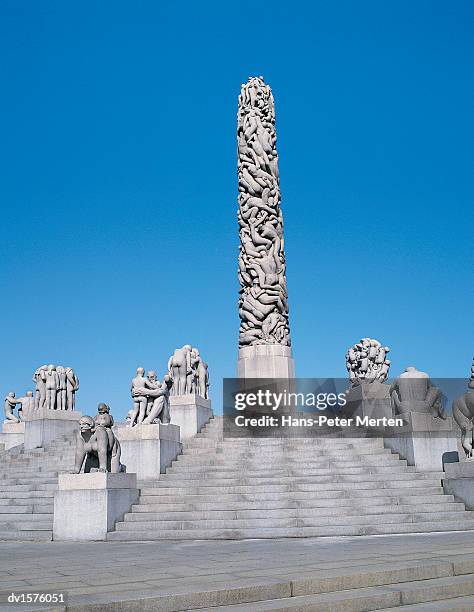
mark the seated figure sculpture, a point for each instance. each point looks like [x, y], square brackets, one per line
[412, 391]
[463, 414]
[97, 448]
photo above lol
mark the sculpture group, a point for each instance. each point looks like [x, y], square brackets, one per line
[263, 302]
[56, 388]
[187, 374]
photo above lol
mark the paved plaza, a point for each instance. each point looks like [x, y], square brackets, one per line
[265, 574]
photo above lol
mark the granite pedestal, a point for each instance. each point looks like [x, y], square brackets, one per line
[370, 400]
[12, 434]
[266, 361]
[44, 426]
[147, 450]
[423, 441]
[459, 481]
[190, 413]
[86, 506]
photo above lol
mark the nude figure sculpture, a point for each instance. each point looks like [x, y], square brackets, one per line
[463, 414]
[27, 403]
[72, 385]
[39, 378]
[52, 386]
[412, 391]
[139, 400]
[97, 448]
[179, 366]
[160, 410]
[9, 407]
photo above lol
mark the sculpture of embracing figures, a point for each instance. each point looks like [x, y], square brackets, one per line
[97, 448]
[150, 399]
[189, 372]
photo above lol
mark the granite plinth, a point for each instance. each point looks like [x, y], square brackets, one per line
[266, 361]
[13, 434]
[44, 426]
[190, 413]
[459, 481]
[147, 450]
[370, 400]
[423, 440]
[87, 506]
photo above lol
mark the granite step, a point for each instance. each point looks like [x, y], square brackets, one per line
[143, 522]
[27, 508]
[365, 504]
[436, 595]
[287, 473]
[158, 513]
[260, 496]
[34, 535]
[221, 491]
[363, 475]
[135, 534]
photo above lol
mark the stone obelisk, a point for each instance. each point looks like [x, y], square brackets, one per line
[264, 340]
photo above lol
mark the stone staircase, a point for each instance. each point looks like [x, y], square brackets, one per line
[28, 480]
[267, 488]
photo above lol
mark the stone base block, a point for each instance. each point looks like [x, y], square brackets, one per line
[147, 450]
[423, 441]
[87, 506]
[369, 400]
[43, 426]
[13, 434]
[459, 481]
[190, 413]
[266, 361]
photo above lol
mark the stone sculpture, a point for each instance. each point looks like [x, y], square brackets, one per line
[189, 372]
[27, 403]
[56, 387]
[139, 400]
[463, 414]
[9, 406]
[160, 407]
[412, 391]
[97, 448]
[263, 304]
[150, 399]
[179, 366]
[367, 362]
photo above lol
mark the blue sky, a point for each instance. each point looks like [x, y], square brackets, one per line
[118, 183]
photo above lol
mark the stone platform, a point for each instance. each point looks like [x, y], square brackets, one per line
[190, 413]
[44, 426]
[12, 434]
[416, 573]
[266, 361]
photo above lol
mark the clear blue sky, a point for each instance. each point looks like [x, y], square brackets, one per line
[118, 183]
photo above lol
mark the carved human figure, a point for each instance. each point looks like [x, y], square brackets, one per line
[27, 404]
[39, 378]
[96, 447]
[412, 391]
[103, 418]
[139, 400]
[72, 385]
[52, 386]
[463, 414]
[179, 366]
[152, 382]
[202, 378]
[9, 407]
[62, 388]
[160, 408]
